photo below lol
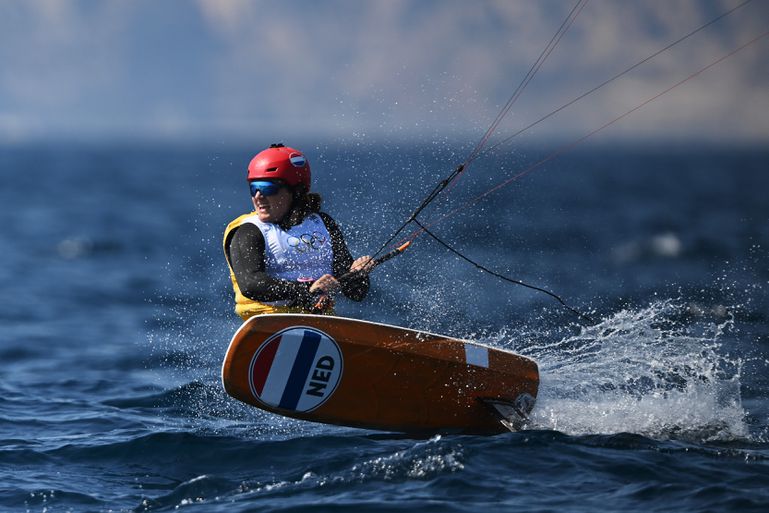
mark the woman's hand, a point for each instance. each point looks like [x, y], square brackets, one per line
[324, 304]
[322, 288]
[326, 284]
[364, 264]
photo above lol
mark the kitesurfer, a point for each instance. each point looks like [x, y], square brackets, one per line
[286, 255]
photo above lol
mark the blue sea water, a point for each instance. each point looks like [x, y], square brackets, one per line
[117, 310]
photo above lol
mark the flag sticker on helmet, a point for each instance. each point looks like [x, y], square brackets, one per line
[297, 160]
[296, 369]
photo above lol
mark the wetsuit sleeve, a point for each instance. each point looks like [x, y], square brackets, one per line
[246, 255]
[356, 286]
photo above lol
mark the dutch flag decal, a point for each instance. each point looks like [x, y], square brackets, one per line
[297, 160]
[296, 369]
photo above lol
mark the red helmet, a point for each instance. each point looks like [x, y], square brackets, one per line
[281, 163]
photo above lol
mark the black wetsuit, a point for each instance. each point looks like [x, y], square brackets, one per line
[245, 251]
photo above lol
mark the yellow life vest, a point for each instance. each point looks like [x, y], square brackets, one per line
[246, 307]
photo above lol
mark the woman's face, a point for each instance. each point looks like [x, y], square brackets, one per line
[273, 208]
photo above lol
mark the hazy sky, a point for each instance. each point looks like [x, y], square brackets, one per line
[417, 69]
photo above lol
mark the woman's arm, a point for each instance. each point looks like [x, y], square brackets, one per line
[357, 285]
[246, 255]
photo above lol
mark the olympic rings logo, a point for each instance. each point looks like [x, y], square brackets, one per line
[307, 242]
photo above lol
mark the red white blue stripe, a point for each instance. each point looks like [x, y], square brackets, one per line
[282, 368]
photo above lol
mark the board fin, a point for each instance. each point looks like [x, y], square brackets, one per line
[508, 413]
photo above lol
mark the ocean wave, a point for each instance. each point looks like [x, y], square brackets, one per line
[642, 371]
[334, 470]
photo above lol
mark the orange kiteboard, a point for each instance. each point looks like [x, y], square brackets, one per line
[368, 375]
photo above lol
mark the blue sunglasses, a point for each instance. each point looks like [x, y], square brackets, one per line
[266, 188]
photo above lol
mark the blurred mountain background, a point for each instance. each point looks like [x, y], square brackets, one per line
[232, 70]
